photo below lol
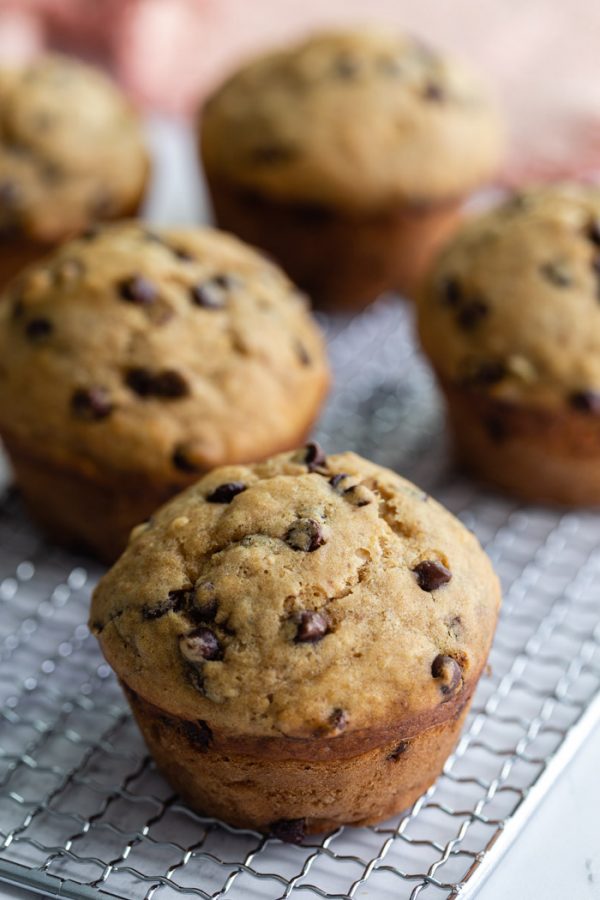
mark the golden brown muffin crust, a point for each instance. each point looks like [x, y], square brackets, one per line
[303, 597]
[71, 149]
[359, 120]
[159, 353]
[512, 306]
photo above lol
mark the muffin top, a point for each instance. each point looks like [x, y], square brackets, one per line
[305, 596]
[160, 353]
[71, 150]
[512, 305]
[358, 120]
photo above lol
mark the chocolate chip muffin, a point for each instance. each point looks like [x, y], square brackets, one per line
[510, 318]
[299, 640]
[71, 151]
[132, 360]
[348, 157]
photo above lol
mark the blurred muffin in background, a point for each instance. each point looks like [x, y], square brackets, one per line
[71, 152]
[134, 360]
[510, 318]
[348, 157]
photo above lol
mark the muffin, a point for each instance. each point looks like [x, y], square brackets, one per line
[347, 158]
[510, 319]
[132, 360]
[71, 151]
[299, 640]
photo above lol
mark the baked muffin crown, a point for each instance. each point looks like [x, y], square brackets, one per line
[353, 119]
[157, 353]
[512, 305]
[71, 149]
[306, 596]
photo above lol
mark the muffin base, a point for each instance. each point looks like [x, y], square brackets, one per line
[342, 260]
[90, 515]
[540, 455]
[249, 790]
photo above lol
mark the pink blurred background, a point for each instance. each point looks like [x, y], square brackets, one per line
[540, 56]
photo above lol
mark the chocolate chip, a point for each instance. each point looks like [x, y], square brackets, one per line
[434, 92]
[485, 373]
[182, 461]
[585, 401]
[200, 645]
[166, 384]
[305, 535]
[290, 831]
[91, 404]
[38, 328]
[312, 626]
[449, 673]
[175, 602]
[398, 751]
[315, 456]
[346, 67]
[337, 479]
[302, 354]
[338, 720]
[225, 493]
[272, 154]
[197, 733]
[212, 294]
[139, 290]
[204, 606]
[557, 273]
[496, 429]
[451, 292]
[183, 254]
[593, 232]
[471, 315]
[431, 574]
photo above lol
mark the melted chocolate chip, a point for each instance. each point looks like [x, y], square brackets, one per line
[338, 720]
[197, 733]
[183, 254]
[139, 290]
[272, 154]
[38, 328]
[448, 672]
[346, 67]
[312, 626]
[357, 494]
[315, 456]
[556, 273]
[290, 831]
[337, 479]
[431, 575]
[585, 401]
[485, 373]
[302, 354]
[434, 92]
[175, 602]
[471, 315]
[91, 404]
[200, 645]
[593, 232]
[305, 535]
[225, 493]
[166, 384]
[398, 751]
[182, 461]
[451, 292]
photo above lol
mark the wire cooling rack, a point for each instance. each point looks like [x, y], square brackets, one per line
[83, 813]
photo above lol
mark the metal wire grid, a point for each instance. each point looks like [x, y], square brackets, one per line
[83, 812]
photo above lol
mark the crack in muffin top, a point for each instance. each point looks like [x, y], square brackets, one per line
[71, 149]
[358, 120]
[512, 305]
[111, 360]
[303, 602]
